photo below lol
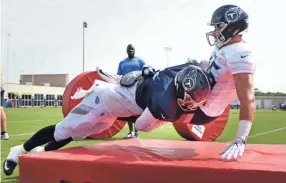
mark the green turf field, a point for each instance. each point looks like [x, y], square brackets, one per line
[269, 128]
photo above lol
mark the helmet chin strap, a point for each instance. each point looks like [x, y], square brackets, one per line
[221, 44]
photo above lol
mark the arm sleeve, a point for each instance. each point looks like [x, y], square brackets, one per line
[146, 122]
[241, 62]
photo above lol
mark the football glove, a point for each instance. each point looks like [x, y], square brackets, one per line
[235, 149]
[108, 77]
[80, 93]
[148, 71]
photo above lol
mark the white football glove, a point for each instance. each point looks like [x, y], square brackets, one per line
[148, 71]
[236, 148]
[80, 93]
[108, 77]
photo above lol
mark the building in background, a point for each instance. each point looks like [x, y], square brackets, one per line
[55, 80]
[37, 90]
[264, 102]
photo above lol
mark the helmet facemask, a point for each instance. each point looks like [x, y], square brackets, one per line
[216, 37]
[189, 98]
[188, 104]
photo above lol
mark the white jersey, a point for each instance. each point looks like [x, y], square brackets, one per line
[224, 63]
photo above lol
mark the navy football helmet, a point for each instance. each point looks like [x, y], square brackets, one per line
[192, 87]
[228, 22]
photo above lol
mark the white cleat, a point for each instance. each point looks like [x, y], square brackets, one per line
[12, 159]
[131, 135]
[5, 136]
[37, 150]
[15, 152]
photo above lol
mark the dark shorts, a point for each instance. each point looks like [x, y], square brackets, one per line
[2, 98]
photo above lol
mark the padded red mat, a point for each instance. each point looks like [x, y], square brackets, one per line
[155, 161]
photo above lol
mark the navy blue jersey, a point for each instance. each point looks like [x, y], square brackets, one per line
[158, 93]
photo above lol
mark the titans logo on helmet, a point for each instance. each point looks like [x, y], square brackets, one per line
[190, 80]
[232, 15]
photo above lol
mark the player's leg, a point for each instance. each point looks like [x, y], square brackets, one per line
[78, 124]
[136, 135]
[79, 119]
[130, 134]
[131, 120]
[54, 145]
[58, 133]
[4, 134]
[41, 137]
[82, 120]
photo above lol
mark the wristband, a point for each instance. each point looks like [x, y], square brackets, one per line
[244, 128]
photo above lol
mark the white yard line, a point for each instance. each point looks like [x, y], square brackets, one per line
[22, 134]
[32, 121]
[267, 132]
[41, 114]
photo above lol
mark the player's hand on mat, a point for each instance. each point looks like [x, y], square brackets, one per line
[235, 149]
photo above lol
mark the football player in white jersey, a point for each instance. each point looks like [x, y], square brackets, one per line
[156, 97]
[231, 72]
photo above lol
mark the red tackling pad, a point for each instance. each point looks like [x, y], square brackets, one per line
[154, 161]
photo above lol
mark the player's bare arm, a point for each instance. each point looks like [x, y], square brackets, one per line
[245, 93]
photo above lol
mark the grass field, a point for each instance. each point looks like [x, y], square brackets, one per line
[269, 128]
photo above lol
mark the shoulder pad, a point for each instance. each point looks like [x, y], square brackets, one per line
[130, 78]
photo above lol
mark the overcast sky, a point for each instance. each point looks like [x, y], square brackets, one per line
[45, 36]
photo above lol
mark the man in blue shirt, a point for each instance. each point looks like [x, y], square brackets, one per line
[129, 64]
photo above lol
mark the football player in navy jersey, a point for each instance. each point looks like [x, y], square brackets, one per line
[154, 98]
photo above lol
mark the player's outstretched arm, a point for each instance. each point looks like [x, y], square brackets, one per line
[146, 122]
[245, 92]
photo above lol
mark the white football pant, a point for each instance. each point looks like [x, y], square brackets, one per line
[98, 111]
